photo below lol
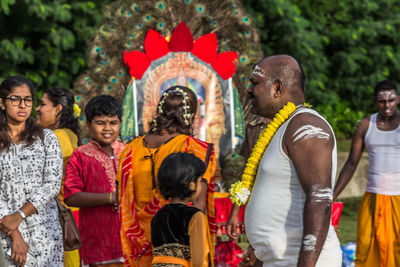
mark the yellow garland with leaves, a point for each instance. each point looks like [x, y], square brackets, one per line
[240, 191]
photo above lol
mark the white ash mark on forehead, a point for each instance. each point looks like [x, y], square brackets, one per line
[258, 72]
[386, 94]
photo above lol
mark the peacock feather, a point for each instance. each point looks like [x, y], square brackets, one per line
[127, 22]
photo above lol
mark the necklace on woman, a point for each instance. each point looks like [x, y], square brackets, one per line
[152, 157]
[241, 190]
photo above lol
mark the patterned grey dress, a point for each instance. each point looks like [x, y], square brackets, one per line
[34, 174]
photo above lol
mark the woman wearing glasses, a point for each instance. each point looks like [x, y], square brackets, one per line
[30, 176]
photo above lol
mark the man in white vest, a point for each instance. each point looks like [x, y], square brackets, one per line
[287, 217]
[378, 235]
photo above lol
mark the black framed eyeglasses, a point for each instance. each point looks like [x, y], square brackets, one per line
[17, 100]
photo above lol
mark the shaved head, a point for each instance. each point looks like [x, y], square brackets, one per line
[275, 81]
[285, 69]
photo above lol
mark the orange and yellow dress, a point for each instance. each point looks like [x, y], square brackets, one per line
[140, 199]
[378, 239]
[68, 143]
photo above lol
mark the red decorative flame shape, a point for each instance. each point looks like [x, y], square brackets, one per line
[205, 48]
[181, 39]
[225, 64]
[155, 45]
[138, 62]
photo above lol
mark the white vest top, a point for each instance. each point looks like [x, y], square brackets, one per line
[384, 159]
[274, 213]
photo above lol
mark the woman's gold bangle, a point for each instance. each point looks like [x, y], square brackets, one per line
[110, 198]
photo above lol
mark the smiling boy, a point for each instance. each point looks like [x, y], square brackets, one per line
[90, 184]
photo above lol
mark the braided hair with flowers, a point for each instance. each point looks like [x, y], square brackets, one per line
[174, 111]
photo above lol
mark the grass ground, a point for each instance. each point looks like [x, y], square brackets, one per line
[348, 220]
[343, 145]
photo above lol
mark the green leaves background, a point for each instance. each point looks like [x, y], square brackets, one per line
[46, 41]
[345, 47]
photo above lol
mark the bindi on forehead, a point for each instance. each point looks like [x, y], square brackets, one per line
[258, 72]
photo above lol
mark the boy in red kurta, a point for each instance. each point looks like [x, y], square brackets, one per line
[90, 184]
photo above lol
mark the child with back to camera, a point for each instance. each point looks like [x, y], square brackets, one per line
[177, 230]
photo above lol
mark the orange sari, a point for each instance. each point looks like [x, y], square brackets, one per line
[378, 240]
[139, 202]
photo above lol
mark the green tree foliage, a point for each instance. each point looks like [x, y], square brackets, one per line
[345, 48]
[46, 41]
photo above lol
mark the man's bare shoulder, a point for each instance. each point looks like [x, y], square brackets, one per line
[308, 130]
[311, 123]
[364, 123]
[362, 128]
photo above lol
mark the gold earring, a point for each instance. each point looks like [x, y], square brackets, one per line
[192, 185]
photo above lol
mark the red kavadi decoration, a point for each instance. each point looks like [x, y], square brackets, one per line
[205, 48]
[138, 62]
[181, 39]
[155, 45]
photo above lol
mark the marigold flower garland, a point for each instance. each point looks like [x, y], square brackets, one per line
[240, 191]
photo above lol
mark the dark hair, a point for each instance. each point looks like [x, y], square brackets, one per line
[103, 105]
[31, 131]
[176, 172]
[173, 110]
[385, 85]
[64, 97]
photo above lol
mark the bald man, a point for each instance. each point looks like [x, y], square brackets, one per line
[287, 218]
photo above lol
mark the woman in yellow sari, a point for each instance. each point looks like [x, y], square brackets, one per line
[140, 199]
[56, 112]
